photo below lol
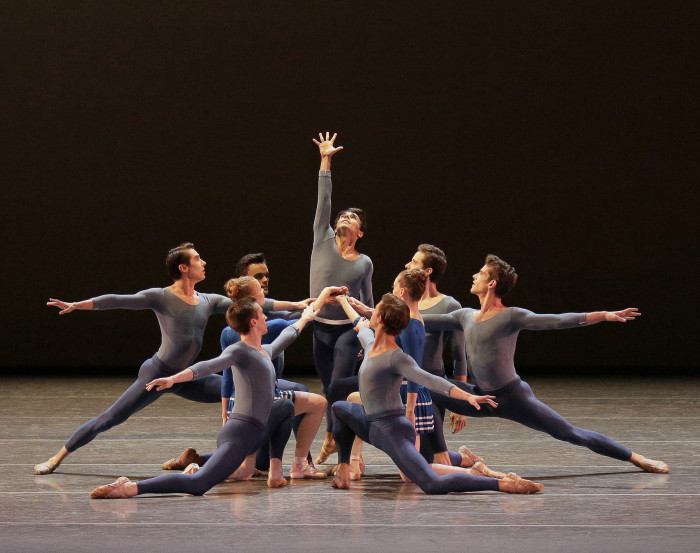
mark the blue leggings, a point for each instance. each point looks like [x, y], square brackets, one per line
[237, 439]
[205, 390]
[518, 403]
[335, 356]
[394, 435]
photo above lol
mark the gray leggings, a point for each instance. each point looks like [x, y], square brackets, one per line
[237, 439]
[393, 433]
[206, 390]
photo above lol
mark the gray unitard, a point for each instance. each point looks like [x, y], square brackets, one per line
[254, 380]
[182, 328]
[490, 349]
[335, 346]
[380, 420]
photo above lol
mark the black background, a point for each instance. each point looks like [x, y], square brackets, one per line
[562, 136]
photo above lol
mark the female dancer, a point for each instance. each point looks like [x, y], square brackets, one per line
[381, 422]
[254, 376]
[309, 406]
[490, 335]
[336, 261]
[182, 314]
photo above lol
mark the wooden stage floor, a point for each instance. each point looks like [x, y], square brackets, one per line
[590, 503]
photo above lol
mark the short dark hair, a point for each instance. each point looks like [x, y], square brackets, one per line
[248, 259]
[434, 258]
[504, 275]
[361, 215]
[240, 313]
[394, 313]
[176, 257]
[239, 288]
[414, 280]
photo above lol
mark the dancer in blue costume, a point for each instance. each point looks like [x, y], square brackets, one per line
[490, 337]
[335, 261]
[381, 421]
[254, 376]
[182, 315]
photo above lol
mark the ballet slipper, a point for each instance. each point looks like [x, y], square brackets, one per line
[187, 457]
[329, 447]
[356, 474]
[47, 467]
[192, 468]
[305, 471]
[115, 490]
[649, 465]
[513, 483]
[480, 469]
[341, 481]
[468, 457]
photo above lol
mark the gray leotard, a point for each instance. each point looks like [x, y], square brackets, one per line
[435, 342]
[181, 324]
[380, 378]
[253, 373]
[491, 344]
[328, 267]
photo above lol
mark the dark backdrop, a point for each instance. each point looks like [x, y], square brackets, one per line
[560, 135]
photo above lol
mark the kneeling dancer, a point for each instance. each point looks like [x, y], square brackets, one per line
[253, 375]
[381, 421]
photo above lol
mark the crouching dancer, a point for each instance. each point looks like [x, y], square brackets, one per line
[254, 377]
[381, 421]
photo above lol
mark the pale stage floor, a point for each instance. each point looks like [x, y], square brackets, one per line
[590, 503]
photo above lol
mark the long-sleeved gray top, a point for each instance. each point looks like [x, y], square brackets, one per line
[253, 373]
[328, 267]
[436, 340]
[491, 343]
[181, 324]
[380, 377]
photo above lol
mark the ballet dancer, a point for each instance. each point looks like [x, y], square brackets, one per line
[381, 421]
[254, 377]
[308, 407]
[335, 261]
[182, 314]
[490, 338]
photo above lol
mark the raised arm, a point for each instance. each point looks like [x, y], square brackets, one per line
[323, 205]
[361, 308]
[329, 294]
[289, 334]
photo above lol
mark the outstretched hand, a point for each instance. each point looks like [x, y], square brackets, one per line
[159, 384]
[629, 314]
[326, 146]
[308, 314]
[476, 400]
[65, 307]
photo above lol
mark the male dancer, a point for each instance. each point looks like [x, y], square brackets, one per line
[254, 376]
[490, 338]
[182, 314]
[335, 261]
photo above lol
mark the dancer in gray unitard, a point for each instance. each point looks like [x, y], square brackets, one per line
[182, 315]
[381, 421]
[254, 379]
[335, 261]
[490, 337]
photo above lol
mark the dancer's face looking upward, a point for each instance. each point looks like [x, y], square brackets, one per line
[417, 261]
